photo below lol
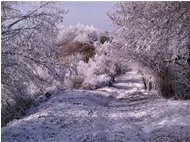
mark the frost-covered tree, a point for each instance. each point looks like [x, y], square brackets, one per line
[78, 33]
[82, 49]
[77, 39]
[28, 35]
[157, 35]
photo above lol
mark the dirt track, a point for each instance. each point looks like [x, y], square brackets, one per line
[121, 113]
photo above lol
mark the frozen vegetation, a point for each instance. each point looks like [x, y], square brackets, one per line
[82, 84]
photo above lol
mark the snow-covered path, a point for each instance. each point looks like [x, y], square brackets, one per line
[121, 113]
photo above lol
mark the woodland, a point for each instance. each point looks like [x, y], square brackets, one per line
[93, 85]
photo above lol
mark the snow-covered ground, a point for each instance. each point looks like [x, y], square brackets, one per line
[121, 113]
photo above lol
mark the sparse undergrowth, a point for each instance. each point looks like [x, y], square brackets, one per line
[16, 109]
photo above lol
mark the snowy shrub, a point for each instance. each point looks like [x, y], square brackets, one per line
[84, 52]
[78, 33]
[15, 106]
[97, 72]
[65, 51]
[82, 34]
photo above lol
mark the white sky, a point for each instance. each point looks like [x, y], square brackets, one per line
[89, 13]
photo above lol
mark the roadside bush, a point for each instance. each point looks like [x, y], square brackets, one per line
[15, 106]
[97, 72]
[84, 50]
[80, 34]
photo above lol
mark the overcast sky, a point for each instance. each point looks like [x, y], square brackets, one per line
[89, 13]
